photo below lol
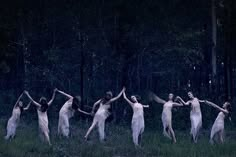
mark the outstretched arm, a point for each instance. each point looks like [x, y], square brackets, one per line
[65, 94]
[34, 102]
[182, 101]
[118, 96]
[201, 101]
[177, 104]
[84, 112]
[156, 98]
[53, 97]
[27, 107]
[129, 102]
[216, 106]
[146, 106]
[18, 100]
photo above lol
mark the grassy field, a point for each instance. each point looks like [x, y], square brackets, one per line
[118, 144]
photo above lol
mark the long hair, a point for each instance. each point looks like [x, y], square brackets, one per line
[44, 104]
[229, 109]
[76, 102]
[107, 97]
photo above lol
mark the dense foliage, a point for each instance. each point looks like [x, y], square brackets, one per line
[88, 47]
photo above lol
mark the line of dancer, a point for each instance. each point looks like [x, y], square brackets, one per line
[73, 104]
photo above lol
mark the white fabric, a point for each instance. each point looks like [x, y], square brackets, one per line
[99, 120]
[13, 123]
[218, 125]
[43, 124]
[196, 118]
[65, 114]
[167, 117]
[137, 122]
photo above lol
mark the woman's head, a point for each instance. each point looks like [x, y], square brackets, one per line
[108, 95]
[44, 104]
[227, 106]
[171, 96]
[135, 98]
[20, 104]
[76, 102]
[190, 95]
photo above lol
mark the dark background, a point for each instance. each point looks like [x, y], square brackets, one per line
[88, 47]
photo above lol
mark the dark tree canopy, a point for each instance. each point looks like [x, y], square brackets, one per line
[88, 47]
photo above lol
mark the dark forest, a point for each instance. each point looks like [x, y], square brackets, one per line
[89, 47]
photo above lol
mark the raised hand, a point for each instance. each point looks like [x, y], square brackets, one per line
[26, 92]
[55, 90]
[177, 97]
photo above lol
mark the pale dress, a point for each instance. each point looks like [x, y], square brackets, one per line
[137, 122]
[195, 117]
[218, 125]
[65, 114]
[13, 122]
[43, 123]
[99, 119]
[167, 117]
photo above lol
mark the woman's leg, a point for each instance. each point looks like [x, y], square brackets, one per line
[172, 134]
[90, 128]
[101, 130]
[221, 134]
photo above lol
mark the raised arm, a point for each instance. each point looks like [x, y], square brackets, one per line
[177, 104]
[95, 104]
[156, 98]
[118, 96]
[34, 102]
[129, 102]
[182, 101]
[65, 94]
[27, 107]
[215, 106]
[18, 99]
[53, 97]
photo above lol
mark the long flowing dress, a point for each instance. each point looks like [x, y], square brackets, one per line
[100, 118]
[196, 118]
[43, 124]
[65, 114]
[13, 123]
[218, 125]
[167, 117]
[137, 122]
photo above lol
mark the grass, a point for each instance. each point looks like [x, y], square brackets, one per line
[118, 144]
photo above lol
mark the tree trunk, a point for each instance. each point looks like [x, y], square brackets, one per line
[81, 38]
[214, 37]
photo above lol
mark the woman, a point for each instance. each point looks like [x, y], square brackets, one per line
[42, 108]
[195, 115]
[167, 115]
[66, 112]
[13, 122]
[102, 114]
[137, 124]
[218, 126]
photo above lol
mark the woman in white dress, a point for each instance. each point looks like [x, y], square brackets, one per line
[218, 126]
[42, 108]
[102, 114]
[13, 122]
[195, 115]
[137, 123]
[167, 114]
[66, 112]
